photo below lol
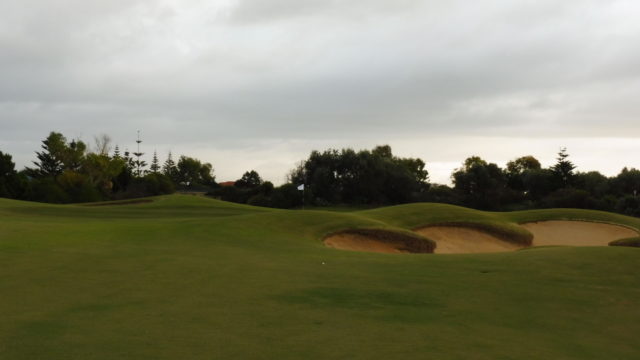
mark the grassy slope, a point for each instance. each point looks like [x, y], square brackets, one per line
[193, 278]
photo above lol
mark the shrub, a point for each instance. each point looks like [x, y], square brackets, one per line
[158, 184]
[259, 200]
[47, 190]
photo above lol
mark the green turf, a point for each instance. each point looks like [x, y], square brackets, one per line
[187, 277]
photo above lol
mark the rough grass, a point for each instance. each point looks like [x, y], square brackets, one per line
[186, 277]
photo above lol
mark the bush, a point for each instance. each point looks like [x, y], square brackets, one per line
[47, 190]
[149, 185]
[441, 194]
[78, 187]
[229, 193]
[286, 196]
[259, 200]
[158, 184]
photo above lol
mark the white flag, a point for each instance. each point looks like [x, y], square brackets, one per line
[301, 187]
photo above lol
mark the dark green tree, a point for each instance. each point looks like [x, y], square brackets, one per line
[101, 171]
[74, 154]
[522, 164]
[538, 183]
[250, 179]
[517, 169]
[138, 163]
[9, 181]
[627, 182]
[364, 177]
[563, 169]
[191, 171]
[116, 153]
[124, 178]
[155, 164]
[593, 182]
[482, 184]
[51, 159]
[170, 169]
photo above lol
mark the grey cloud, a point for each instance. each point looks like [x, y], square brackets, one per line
[256, 11]
[312, 71]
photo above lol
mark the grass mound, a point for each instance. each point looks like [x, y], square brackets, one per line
[630, 242]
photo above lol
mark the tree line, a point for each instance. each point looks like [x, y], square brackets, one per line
[68, 171]
[377, 177]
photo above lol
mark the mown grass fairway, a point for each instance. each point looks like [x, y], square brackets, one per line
[185, 277]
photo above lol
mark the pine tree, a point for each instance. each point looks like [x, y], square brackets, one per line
[169, 168]
[116, 153]
[155, 164]
[51, 158]
[563, 169]
[128, 161]
[139, 163]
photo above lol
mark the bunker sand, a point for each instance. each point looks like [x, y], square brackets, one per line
[576, 233]
[356, 242]
[464, 240]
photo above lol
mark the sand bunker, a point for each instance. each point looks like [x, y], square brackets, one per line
[465, 240]
[356, 242]
[380, 241]
[457, 239]
[576, 233]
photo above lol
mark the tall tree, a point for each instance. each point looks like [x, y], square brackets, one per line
[8, 177]
[250, 179]
[482, 184]
[627, 182]
[116, 153]
[101, 170]
[170, 169]
[522, 164]
[74, 154]
[517, 169]
[192, 171]
[563, 169]
[367, 176]
[139, 163]
[124, 178]
[155, 164]
[50, 159]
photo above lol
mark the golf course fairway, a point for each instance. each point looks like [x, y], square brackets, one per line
[187, 277]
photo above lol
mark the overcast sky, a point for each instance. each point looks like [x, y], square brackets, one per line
[258, 84]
